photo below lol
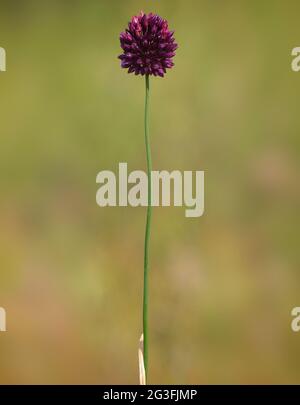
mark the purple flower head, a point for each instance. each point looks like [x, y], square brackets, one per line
[148, 45]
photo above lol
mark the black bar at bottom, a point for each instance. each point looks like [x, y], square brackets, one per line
[135, 393]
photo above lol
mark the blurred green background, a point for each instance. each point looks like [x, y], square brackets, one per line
[223, 285]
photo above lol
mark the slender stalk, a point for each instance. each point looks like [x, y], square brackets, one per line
[147, 232]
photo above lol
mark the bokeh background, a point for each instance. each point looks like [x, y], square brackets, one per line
[223, 285]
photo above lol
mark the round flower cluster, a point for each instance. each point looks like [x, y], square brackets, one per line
[148, 45]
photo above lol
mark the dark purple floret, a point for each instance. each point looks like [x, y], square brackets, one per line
[148, 45]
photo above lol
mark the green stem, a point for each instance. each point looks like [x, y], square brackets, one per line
[147, 233]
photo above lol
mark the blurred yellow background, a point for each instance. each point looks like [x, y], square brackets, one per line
[223, 285]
